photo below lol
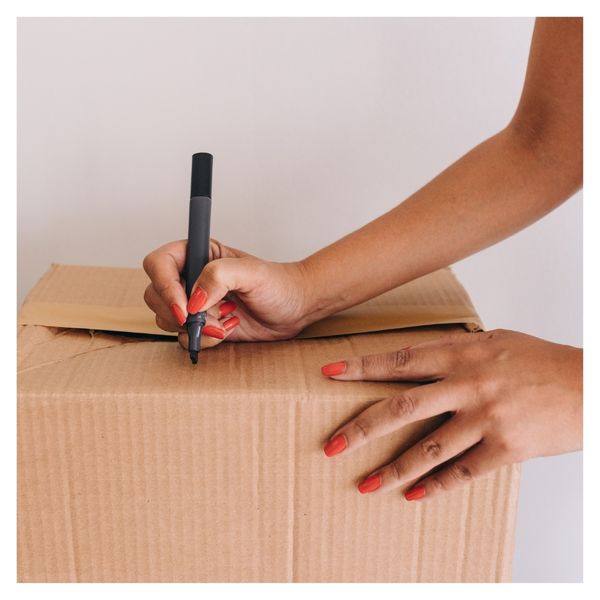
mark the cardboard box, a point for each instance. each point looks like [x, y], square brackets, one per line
[133, 465]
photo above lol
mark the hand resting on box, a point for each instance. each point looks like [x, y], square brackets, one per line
[511, 397]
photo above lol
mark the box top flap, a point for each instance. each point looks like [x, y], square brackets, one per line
[112, 299]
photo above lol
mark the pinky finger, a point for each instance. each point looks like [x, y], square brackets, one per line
[479, 460]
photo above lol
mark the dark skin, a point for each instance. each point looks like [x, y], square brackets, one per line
[511, 396]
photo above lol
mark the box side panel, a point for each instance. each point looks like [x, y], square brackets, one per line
[492, 524]
[132, 466]
[151, 488]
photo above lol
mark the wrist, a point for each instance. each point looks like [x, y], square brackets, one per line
[318, 299]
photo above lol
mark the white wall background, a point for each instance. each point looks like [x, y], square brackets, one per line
[317, 126]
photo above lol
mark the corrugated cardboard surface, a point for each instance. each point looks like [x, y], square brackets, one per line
[135, 466]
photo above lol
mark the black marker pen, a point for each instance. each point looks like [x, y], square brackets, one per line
[198, 241]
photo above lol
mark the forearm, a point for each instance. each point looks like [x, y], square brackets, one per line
[495, 190]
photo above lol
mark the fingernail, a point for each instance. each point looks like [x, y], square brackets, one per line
[226, 308]
[336, 445]
[416, 493]
[214, 332]
[231, 323]
[336, 368]
[370, 484]
[178, 314]
[197, 300]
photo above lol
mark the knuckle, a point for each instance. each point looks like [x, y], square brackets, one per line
[365, 364]
[439, 483]
[502, 354]
[402, 406]
[491, 415]
[361, 428]
[495, 414]
[400, 359]
[485, 388]
[493, 386]
[395, 470]
[503, 444]
[460, 472]
[430, 448]
[507, 446]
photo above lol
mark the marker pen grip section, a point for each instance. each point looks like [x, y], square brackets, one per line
[198, 240]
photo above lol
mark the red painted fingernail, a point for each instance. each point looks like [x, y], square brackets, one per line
[370, 484]
[332, 369]
[336, 445]
[197, 300]
[178, 314]
[214, 332]
[416, 493]
[226, 308]
[231, 323]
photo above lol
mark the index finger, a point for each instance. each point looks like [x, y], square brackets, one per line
[164, 266]
[412, 363]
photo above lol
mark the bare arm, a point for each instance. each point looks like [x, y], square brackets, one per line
[501, 186]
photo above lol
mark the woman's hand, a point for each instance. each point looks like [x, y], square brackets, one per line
[246, 298]
[511, 397]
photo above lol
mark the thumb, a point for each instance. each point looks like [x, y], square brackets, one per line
[222, 276]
